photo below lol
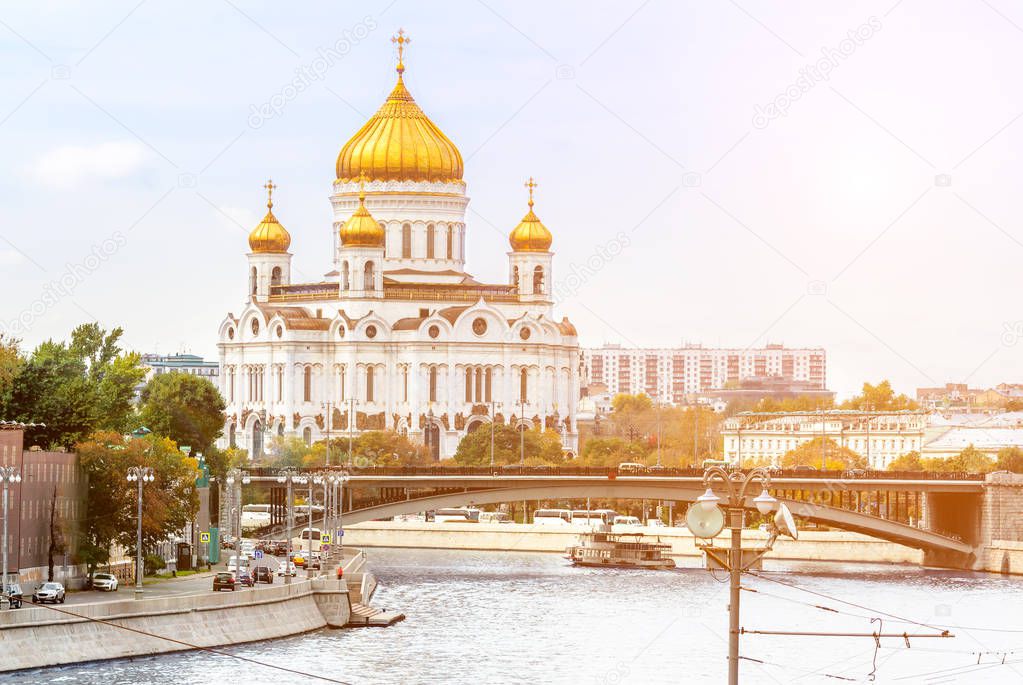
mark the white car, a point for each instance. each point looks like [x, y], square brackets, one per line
[234, 562]
[287, 568]
[655, 523]
[104, 581]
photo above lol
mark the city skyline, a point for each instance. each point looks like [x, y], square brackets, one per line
[892, 246]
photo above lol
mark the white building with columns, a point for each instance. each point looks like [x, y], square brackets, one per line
[397, 335]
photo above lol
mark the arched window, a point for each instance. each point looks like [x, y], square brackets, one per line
[252, 281]
[449, 231]
[369, 383]
[430, 234]
[307, 435]
[307, 384]
[369, 277]
[404, 381]
[280, 385]
[344, 276]
[275, 276]
[233, 436]
[280, 429]
[230, 383]
[433, 383]
[257, 440]
[538, 280]
[523, 385]
[406, 240]
[468, 385]
[515, 277]
[478, 395]
[488, 383]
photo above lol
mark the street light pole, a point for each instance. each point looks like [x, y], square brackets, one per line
[288, 476]
[522, 433]
[736, 483]
[241, 478]
[9, 475]
[139, 475]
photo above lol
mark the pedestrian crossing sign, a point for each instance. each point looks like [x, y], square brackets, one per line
[204, 537]
[325, 539]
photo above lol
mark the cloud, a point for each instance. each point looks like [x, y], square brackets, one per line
[70, 165]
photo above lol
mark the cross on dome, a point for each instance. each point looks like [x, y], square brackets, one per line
[401, 40]
[270, 187]
[530, 184]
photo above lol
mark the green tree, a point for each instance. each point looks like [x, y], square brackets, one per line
[879, 397]
[10, 365]
[385, 448]
[185, 408]
[970, 460]
[1010, 459]
[835, 457]
[609, 452]
[910, 461]
[474, 449]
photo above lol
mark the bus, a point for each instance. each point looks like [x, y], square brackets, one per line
[255, 516]
[309, 539]
[593, 517]
[457, 515]
[495, 517]
[552, 517]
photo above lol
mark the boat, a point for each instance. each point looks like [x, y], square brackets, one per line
[618, 550]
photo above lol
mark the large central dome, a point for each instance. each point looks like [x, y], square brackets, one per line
[400, 143]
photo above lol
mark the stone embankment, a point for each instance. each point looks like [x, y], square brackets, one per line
[811, 546]
[37, 636]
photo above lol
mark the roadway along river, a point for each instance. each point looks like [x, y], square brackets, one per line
[498, 617]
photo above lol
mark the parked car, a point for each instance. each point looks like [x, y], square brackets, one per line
[104, 581]
[223, 581]
[49, 592]
[14, 596]
[245, 578]
[263, 574]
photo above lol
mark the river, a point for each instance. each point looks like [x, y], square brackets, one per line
[506, 617]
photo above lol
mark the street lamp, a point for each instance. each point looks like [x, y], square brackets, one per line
[139, 475]
[493, 418]
[736, 484]
[288, 476]
[241, 478]
[522, 432]
[9, 475]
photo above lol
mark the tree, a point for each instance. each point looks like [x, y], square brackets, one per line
[474, 449]
[74, 388]
[187, 409]
[910, 461]
[1010, 459]
[879, 397]
[10, 365]
[970, 460]
[385, 448]
[1014, 404]
[835, 457]
[609, 452]
[791, 404]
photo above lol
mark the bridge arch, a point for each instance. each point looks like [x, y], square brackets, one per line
[845, 519]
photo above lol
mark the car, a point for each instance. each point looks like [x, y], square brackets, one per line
[234, 562]
[245, 578]
[263, 574]
[655, 523]
[49, 592]
[314, 562]
[104, 581]
[14, 596]
[223, 581]
[287, 568]
[298, 560]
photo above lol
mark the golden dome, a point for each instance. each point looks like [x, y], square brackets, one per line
[531, 235]
[400, 143]
[269, 236]
[361, 229]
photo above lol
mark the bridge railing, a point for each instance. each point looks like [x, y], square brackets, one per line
[604, 471]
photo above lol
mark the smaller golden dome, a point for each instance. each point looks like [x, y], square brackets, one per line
[269, 236]
[361, 229]
[530, 235]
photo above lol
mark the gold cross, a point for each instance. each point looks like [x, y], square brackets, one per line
[270, 187]
[401, 40]
[362, 185]
[531, 184]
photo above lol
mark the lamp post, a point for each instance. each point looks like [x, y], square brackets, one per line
[736, 483]
[9, 475]
[340, 532]
[288, 476]
[351, 425]
[493, 418]
[329, 406]
[314, 478]
[522, 433]
[241, 478]
[139, 475]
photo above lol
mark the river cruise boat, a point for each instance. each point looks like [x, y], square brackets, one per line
[620, 550]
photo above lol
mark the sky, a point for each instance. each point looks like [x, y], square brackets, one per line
[841, 175]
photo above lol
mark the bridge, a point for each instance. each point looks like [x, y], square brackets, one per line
[939, 513]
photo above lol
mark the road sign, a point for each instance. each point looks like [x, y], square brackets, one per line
[258, 554]
[340, 533]
[204, 537]
[325, 539]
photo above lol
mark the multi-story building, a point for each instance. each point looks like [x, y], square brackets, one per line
[678, 375]
[398, 335]
[878, 436]
[157, 364]
[960, 397]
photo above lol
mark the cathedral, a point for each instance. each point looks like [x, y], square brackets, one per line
[397, 335]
